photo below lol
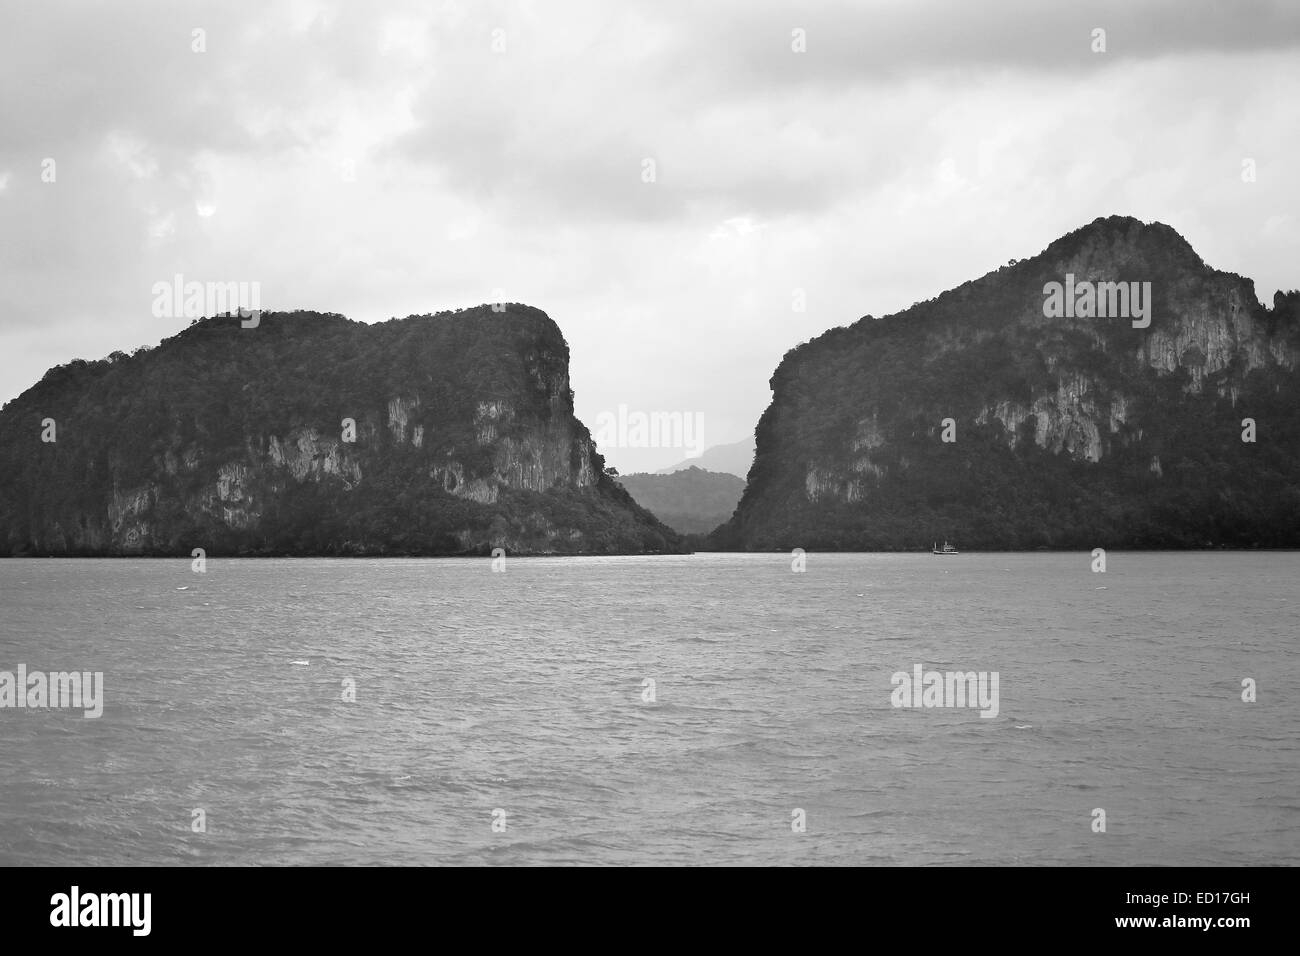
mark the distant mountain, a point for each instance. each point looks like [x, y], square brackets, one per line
[691, 501]
[311, 434]
[733, 459]
[1036, 407]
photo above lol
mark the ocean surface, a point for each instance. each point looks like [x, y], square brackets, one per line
[519, 698]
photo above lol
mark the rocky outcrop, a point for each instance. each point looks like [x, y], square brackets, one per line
[447, 434]
[984, 417]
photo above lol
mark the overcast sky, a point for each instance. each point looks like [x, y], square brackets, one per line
[383, 159]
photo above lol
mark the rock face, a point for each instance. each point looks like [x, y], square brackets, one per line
[312, 434]
[1078, 431]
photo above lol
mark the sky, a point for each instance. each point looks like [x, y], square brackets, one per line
[688, 189]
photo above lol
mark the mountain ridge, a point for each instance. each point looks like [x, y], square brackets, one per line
[1064, 429]
[312, 434]
[690, 500]
[732, 458]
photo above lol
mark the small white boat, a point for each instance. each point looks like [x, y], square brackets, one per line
[946, 549]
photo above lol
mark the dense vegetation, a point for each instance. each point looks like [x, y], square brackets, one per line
[160, 424]
[1175, 473]
[692, 501]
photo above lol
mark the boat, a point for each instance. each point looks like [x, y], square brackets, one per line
[946, 549]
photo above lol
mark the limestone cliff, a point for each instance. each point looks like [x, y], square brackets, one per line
[981, 417]
[312, 434]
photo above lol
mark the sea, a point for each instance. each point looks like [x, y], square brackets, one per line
[707, 709]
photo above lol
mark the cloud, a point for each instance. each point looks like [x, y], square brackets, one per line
[420, 157]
